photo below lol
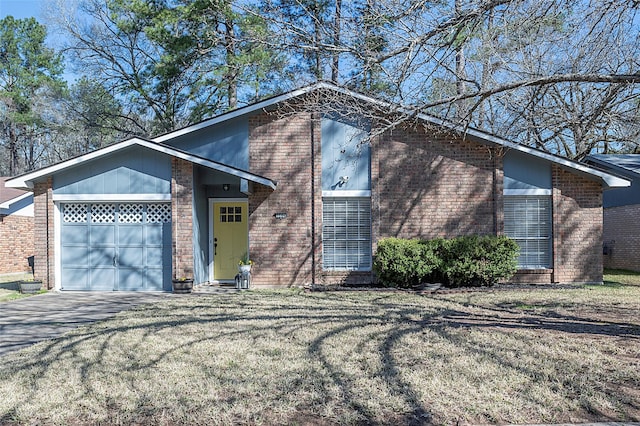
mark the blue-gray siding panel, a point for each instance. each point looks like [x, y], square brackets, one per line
[345, 154]
[226, 143]
[136, 170]
[522, 171]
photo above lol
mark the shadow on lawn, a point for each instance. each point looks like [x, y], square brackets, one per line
[334, 315]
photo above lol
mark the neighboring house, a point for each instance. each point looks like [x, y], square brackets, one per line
[16, 229]
[306, 199]
[621, 235]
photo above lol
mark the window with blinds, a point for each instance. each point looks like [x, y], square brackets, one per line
[528, 220]
[346, 234]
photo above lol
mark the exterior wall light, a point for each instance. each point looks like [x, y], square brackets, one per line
[226, 187]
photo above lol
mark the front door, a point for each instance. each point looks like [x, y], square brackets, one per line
[230, 238]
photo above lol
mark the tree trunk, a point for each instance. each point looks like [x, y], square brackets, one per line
[336, 42]
[232, 75]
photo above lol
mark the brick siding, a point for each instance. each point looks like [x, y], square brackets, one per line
[620, 235]
[182, 218]
[44, 233]
[577, 228]
[16, 243]
[280, 148]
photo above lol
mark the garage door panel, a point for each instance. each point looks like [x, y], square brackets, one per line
[100, 235]
[75, 278]
[75, 255]
[131, 257]
[131, 279]
[154, 256]
[107, 246]
[102, 279]
[155, 278]
[130, 235]
[75, 234]
[102, 256]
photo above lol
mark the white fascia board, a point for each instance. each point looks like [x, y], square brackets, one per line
[26, 181]
[609, 180]
[7, 204]
[112, 197]
[237, 113]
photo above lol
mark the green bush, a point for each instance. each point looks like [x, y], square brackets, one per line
[459, 262]
[474, 261]
[404, 263]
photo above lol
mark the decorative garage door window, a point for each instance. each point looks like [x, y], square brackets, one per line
[115, 246]
[75, 213]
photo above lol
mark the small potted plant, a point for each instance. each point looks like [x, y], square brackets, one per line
[245, 263]
[182, 285]
[30, 285]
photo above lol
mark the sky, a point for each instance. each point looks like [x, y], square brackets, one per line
[22, 8]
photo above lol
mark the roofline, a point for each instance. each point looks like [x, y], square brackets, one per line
[7, 204]
[616, 168]
[25, 181]
[607, 179]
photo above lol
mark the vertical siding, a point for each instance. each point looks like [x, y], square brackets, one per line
[136, 170]
[345, 152]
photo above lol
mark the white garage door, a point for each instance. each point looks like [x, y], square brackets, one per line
[115, 246]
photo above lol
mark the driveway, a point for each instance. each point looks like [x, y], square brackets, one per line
[24, 322]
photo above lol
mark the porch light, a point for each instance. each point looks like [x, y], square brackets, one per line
[225, 187]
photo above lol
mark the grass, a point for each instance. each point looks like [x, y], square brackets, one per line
[290, 357]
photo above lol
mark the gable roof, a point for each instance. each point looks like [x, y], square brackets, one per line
[626, 164]
[608, 180]
[26, 180]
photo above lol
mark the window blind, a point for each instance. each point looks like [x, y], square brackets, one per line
[528, 220]
[346, 233]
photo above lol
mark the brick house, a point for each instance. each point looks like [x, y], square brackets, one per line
[305, 192]
[16, 229]
[621, 229]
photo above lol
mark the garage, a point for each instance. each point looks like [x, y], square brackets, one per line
[115, 246]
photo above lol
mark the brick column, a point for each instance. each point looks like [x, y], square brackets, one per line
[182, 218]
[44, 233]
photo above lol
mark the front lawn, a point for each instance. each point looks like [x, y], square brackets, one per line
[379, 357]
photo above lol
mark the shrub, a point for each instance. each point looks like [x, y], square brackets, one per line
[404, 263]
[473, 261]
[458, 262]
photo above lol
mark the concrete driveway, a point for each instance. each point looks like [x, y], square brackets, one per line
[24, 322]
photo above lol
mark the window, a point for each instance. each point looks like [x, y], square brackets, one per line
[527, 219]
[230, 214]
[346, 234]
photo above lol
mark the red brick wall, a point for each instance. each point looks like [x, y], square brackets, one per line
[621, 231]
[577, 218]
[433, 185]
[280, 149]
[44, 233]
[16, 243]
[182, 218]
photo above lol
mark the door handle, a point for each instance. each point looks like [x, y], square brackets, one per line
[215, 246]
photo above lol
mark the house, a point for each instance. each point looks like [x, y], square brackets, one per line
[16, 229]
[306, 192]
[621, 230]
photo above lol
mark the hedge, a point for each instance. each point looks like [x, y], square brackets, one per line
[459, 262]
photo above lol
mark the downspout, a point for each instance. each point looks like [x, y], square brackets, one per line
[313, 202]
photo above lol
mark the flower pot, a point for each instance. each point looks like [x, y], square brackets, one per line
[243, 269]
[182, 286]
[30, 287]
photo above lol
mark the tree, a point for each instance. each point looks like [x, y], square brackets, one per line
[29, 71]
[171, 62]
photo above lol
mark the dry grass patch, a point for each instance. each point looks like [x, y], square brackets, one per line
[288, 357]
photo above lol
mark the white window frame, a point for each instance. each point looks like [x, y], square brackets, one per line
[352, 232]
[528, 220]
